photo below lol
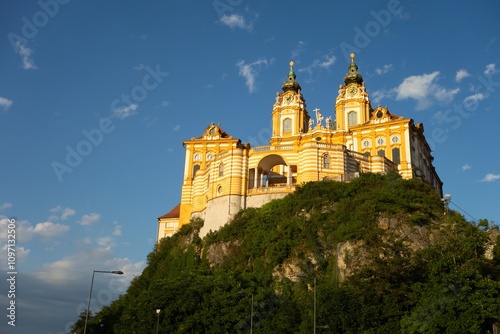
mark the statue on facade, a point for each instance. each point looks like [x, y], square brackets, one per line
[328, 122]
[311, 123]
[319, 117]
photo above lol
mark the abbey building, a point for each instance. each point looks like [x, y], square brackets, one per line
[222, 175]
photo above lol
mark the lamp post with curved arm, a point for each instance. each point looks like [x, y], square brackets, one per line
[115, 272]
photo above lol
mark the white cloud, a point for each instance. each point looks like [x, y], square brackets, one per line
[25, 231]
[89, 219]
[251, 71]
[466, 167]
[474, 98]
[444, 95]
[50, 230]
[118, 230]
[164, 104]
[461, 74]
[490, 70]
[423, 88]
[177, 127]
[125, 112]
[21, 255]
[490, 177]
[65, 212]
[236, 21]
[25, 53]
[5, 103]
[106, 242]
[139, 67]
[5, 206]
[384, 69]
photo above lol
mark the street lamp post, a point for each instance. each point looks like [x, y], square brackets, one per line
[115, 272]
[158, 320]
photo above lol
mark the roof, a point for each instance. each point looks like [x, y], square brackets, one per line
[174, 213]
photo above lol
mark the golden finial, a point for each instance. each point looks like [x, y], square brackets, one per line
[352, 57]
[291, 64]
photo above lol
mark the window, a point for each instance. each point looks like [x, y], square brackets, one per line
[221, 170]
[326, 161]
[209, 156]
[366, 143]
[395, 139]
[196, 157]
[396, 158]
[287, 125]
[381, 153]
[219, 190]
[195, 169]
[380, 141]
[352, 118]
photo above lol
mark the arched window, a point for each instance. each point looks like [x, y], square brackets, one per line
[287, 125]
[396, 158]
[381, 153]
[195, 169]
[326, 161]
[352, 118]
[221, 169]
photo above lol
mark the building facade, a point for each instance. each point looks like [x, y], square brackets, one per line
[222, 175]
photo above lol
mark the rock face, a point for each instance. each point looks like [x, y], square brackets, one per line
[350, 256]
[217, 253]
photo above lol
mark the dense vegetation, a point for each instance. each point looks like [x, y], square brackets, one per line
[410, 268]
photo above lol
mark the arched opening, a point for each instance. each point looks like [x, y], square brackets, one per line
[272, 171]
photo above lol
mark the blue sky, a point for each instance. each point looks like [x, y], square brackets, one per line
[97, 97]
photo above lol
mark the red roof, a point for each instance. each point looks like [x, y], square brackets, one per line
[174, 213]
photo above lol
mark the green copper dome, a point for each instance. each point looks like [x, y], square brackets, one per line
[291, 83]
[352, 75]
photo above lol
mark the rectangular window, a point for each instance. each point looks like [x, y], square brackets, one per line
[396, 158]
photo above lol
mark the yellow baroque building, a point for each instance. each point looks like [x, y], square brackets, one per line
[222, 175]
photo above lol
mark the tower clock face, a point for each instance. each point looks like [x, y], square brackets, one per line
[288, 99]
[352, 91]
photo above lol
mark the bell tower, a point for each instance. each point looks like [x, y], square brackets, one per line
[290, 117]
[352, 106]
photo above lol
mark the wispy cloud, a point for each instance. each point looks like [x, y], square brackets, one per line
[251, 71]
[384, 69]
[65, 213]
[139, 67]
[5, 103]
[490, 177]
[378, 95]
[490, 70]
[89, 218]
[236, 21]
[4, 206]
[461, 74]
[423, 88]
[322, 63]
[26, 56]
[125, 112]
[298, 49]
[466, 167]
[118, 230]
[472, 99]
[177, 127]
